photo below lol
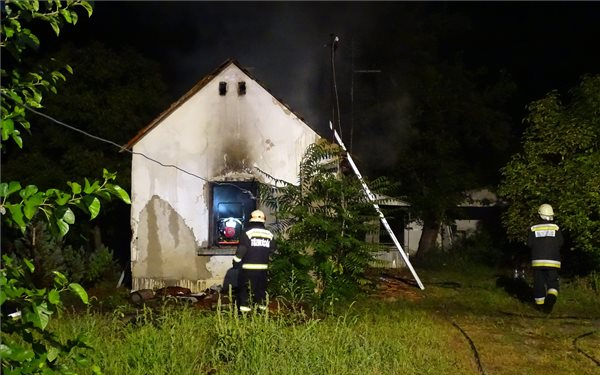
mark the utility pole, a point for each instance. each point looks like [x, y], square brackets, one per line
[352, 93]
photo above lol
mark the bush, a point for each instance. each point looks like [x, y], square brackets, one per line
[478, 248]
[51, 254]
[322, 227]
[27, 346]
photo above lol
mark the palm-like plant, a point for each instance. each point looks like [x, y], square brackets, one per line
[322, 224]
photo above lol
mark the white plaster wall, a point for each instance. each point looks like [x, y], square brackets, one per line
[204, 136]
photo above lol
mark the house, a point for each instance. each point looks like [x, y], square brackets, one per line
[194, 176]
[481, 206]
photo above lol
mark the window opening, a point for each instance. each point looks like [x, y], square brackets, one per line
[222, 88]
[241, 88]
[397, 222]
[231, 208]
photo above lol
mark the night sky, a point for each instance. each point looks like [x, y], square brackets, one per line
[544, 45]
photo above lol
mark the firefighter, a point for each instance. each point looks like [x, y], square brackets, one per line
[545, 241]
[252, 259]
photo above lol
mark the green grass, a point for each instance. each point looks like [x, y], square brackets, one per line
[395, 335]
[183, 340]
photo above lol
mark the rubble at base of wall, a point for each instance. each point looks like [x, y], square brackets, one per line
[208, 299]
[195, 286]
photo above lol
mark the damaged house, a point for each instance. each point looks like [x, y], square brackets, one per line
[194, 177]
[195, 174]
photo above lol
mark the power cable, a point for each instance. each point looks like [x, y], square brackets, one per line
[121, 148]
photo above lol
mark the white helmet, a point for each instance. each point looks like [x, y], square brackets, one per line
[546, 211]
[257, 216]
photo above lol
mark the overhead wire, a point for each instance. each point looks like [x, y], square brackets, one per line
[121, 148]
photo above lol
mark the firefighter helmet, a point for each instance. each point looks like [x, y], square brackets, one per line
[257, 216]
[545, 211]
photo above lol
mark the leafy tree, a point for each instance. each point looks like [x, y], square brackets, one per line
[559, 164]
[323, 222]
[430, 119]
[27, 347]
[102, 98]
[23, 89]
[455, 142]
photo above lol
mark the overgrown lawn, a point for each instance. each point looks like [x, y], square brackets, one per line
[428, 334]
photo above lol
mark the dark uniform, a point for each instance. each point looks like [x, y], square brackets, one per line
[252, 256]
[545, 240]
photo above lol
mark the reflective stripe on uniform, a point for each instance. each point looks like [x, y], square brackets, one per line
[249, 266]
[539, 301]
[245, 309]
[236, 259]
[260, 233]
[553, 291]
[545, 263]
[545, 230]
[544, 227]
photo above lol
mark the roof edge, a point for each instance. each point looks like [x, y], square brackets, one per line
[197, 87]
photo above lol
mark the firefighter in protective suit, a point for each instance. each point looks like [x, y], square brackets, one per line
[545, 241]
[252, 259]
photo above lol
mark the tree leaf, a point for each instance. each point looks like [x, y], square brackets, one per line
[69, 217]
[79, 291]
[28, 191]
[38, 315]
[16, 353]
[32, 204]
[17, 139]
[119, 192]
[54, 297]
[75, 187]
[29, 265]
[17, 216]
[93, 205]
[8, 127]
[67, 15]
[44, 314]
[90, 188]
[63, 198]
[53, 353]
[62, 226]
[59, 279]
[55, 26]
[108, 175]
[13, 186]
[87, 7]
[74, 17]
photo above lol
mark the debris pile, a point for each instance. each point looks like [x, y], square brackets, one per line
[207, 299]
[392, 287]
